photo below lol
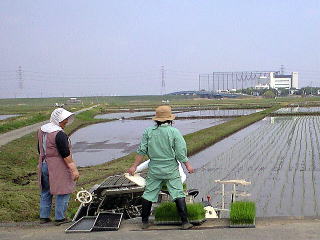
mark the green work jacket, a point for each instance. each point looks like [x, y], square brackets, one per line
[164, 145]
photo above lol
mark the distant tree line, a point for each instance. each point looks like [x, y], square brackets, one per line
[280, 92]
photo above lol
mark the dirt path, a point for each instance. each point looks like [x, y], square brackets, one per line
[277, 228]
[18, 133]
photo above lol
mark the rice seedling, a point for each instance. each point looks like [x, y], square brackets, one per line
[242, 212]
[167, 212]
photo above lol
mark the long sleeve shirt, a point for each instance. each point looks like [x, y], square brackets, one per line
[164, 145]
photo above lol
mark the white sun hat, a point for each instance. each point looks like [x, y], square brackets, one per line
[57, 116]
[60, 114]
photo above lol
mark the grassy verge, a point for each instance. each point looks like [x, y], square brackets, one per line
[22, 121]
[28, 119]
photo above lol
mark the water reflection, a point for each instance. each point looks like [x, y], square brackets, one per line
[298, 109]
[197, 113]
[223, 112]
[121, 115]
[104, 142]
[3, 117]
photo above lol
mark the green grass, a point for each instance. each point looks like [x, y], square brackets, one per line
[167, 211]
[21, 121]
[242, 212]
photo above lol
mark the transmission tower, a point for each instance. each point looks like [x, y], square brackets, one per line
[282, 70]
[20, 79]
[163, 83]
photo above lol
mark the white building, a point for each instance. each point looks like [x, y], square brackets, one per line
[262, 86]
[283, 81]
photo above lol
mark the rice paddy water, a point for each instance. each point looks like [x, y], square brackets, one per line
[3, 117]
[103, 142]
[279, 155]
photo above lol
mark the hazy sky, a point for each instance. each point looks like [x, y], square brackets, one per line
[77, 47]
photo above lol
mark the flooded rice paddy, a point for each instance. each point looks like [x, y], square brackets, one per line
[279, 155]
[119, 115]
[196, 113]
[216, 112]
[103, 142]
[298, 110]
[3, 117]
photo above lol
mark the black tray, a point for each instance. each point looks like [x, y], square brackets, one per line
[84, 224]
[107, 221]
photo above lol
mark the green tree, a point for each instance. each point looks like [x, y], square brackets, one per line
[269, 94]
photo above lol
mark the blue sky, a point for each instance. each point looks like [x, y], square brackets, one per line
[77, 47]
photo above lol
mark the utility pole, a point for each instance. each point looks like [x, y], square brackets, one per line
[20, 79]
[163, 83]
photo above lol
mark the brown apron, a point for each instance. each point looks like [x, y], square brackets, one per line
[60, 177]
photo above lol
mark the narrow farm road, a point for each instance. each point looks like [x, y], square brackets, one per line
[266, 229]
[18, 133]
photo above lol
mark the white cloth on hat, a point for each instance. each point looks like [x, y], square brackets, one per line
[57, 116]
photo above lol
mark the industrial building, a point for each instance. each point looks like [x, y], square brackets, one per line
[225, 81]
[283, 81]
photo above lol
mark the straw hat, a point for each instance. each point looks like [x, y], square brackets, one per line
[163, 113]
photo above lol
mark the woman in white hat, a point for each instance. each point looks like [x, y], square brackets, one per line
[165, 146]
[57, 170]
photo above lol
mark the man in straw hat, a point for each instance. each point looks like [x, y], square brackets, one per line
[57, 170]
[165, 146]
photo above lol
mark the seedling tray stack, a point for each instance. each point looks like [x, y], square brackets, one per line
[104, 221]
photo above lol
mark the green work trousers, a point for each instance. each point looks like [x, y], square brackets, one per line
[154, 185]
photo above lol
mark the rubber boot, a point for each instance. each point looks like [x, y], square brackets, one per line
[145, 213]
[182, 211]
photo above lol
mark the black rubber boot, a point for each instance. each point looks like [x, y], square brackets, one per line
[182, 211]
[145, 213]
